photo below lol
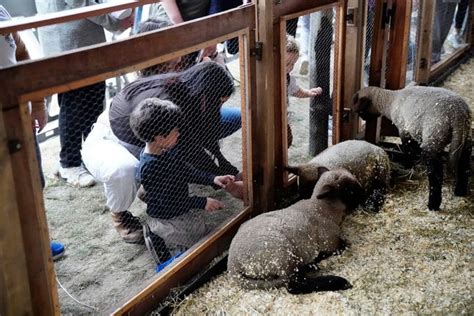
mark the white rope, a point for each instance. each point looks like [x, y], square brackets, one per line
[77, 301]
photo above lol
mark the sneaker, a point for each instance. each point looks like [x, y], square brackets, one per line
[57, 250]
[76, 176]
[455, 40]
[163, 265]
[156, 246]
[128, 226]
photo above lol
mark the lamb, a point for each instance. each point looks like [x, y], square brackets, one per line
[432, 118]
[368, 163]
[274, 248]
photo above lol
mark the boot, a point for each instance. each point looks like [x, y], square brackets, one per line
[128, 227]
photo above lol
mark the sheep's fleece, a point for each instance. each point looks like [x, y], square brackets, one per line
[368, 163]
[270, 248]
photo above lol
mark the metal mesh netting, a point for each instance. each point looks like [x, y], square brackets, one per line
[413, 40]
[449, 28]
[369, 34]
[160, 199]
[309, 70]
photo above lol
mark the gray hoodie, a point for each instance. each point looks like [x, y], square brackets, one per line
[59, 38]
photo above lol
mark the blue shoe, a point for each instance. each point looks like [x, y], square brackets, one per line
[57, 250]
[163, 265]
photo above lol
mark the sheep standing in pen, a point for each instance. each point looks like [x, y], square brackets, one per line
[432, 118]
[274, 248]
[368, 163]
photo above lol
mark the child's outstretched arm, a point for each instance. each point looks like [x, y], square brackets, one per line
[307, 93]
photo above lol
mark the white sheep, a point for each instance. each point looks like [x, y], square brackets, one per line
[368, 163]
[273, 249]
[432, 118]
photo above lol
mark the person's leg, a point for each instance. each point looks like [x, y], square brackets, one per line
[291, 26]
[79, 109]
[460, 15]
[231, 121]
[112, 164]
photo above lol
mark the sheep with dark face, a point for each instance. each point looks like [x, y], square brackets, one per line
[432, 118]
[273, 249]
[368, 163]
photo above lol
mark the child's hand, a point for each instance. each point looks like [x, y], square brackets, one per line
[213, 205]
[315, 91]
[222, 181]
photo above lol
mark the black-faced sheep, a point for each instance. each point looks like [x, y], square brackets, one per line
[273, 249]
[368, 163]
[433, 118]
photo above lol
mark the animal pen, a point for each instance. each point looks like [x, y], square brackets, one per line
[351, 44]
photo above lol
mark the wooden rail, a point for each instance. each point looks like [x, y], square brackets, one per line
[83, 66]
[69, 15]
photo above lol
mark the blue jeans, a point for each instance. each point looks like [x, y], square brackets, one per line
[231, 121]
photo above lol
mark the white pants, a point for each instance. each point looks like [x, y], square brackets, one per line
[112, 164]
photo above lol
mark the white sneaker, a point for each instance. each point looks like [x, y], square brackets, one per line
[455, 40]
[76, 176]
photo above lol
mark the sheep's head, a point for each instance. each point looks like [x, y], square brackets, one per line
[363, 105]
[308, 174]
[339, 184]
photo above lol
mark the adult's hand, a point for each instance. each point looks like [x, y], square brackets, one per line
[223, 181]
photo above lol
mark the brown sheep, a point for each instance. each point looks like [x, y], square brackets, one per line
[273, 249]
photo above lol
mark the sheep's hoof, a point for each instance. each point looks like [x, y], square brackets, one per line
[434, 206]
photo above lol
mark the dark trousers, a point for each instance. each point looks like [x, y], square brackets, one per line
[78, 110]
[461, 14]
[38, 157]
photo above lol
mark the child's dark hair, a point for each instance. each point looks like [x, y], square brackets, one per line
[154, 117]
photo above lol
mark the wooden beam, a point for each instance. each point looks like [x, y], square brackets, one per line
[266, 140]
[35, 21]
[399, 40]
[81, 67]
[353, 62]
[180, 272]
[15, 294]
[339, 55]
[447, 62]
[34, 227]
[293, 9]
[423, 56]
[372, 127]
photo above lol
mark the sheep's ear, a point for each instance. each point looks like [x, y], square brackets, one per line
[326, 191]
[293, 169]
[322, 170]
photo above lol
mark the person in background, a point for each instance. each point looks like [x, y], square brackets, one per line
[79, 108]
[293, 89]
[153, 24]
[13, 49]
[171, 227]
[179, 11]
[456, 38]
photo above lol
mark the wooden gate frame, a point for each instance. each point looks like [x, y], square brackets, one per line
[27, 278]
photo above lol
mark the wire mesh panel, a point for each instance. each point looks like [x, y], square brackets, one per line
[413, 40]
[309, 63]
[144, 171]
[449, 28]
[369, 33]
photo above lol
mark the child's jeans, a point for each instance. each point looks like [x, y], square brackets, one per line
[181, 232]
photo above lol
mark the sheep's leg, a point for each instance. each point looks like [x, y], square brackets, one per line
[434, 166]
[326, 254]
[461, 187]
[411, 148]
[301, 283]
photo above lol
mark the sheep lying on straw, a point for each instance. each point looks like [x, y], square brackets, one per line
[274, 248]
[368, 163]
